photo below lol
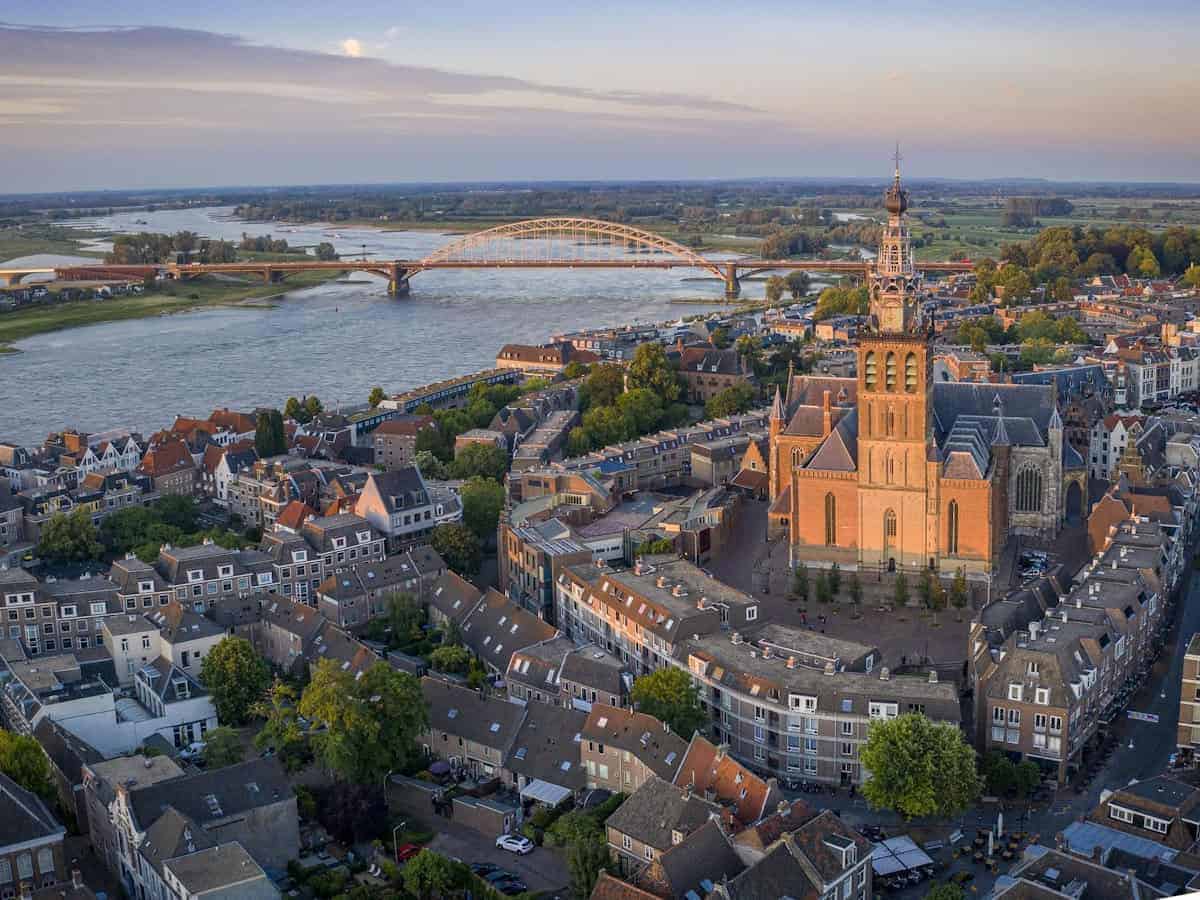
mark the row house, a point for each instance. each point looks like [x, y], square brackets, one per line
[54, 615]
[172, 632]
[622, 749]
[783, 716]
[1156, 375]
[496, 629]
[13, 540]
[405, 508]
[1188, 727]
[558, 672]
[98, 495]
[1159, 809]
[220, 464]
[170, 467]
[304, 557]
[197, 577]
[644, 614]
[394, 442]
[356, 593]
[1052, 685]
[285, 633]
[88, 453]
[1109, 438]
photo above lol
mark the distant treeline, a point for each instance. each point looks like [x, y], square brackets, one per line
[1022, 212]
[144, 248]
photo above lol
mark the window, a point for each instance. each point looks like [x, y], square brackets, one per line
[848, 729]
[952, 528]
[45, 861]
[1042, 696]
[760, 734]
[810, 767]
[889, 422]
[650, 853]
[626, 842]
[810, 745]
[889, 372]
[1029, 490]
[1120, 814]
[883, 710]
[1014, 717]
[910, 373]
[869, 370]
[830, 520]
[998, 714]
[889, 521]
[847, 748]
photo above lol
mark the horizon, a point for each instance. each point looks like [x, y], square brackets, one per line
[129, 99]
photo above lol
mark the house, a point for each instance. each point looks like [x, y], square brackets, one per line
[196, 576]
[1159, 809]
[707, 371]
[497, 628]
[1046, 874]
[395, 441]
[542, 358]
[555, 671]
[468, 729]
[68, 755]
[452, 599]
[102, 780]
[285, 633]
[222, 464]
[692, 867]
[622, 749]
[711, 771]
[31, 848]
[357, 593]
[178, 858]
[343, 649]
[401, 506]
[543, 763]
[653, 819]
[170, 468]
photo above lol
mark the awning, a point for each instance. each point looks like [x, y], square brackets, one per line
[545, 792]
[898, 854]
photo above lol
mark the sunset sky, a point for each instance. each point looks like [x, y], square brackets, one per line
[125, 94]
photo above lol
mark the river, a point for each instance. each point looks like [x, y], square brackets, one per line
[337, 340]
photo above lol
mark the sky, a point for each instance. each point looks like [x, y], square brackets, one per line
[126, 94]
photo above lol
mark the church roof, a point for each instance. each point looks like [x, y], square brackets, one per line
[1027, 408]
[839, 451]
[808, 390]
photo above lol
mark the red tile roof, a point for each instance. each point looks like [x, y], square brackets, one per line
[708, 767]
[169, 456]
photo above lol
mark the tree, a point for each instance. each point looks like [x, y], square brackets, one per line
[482, 501]
[959, 593]
[377, 396]
[222, 747]
[835, 579]
[730, 402]
[945, 891]
[1191, 278]
[312, 406]
[405, 615]
[669, 695]
[937, 596]
[452, 659]
[326, 252]
[901, 590]
[999, 773]
[798, 283]
[856, 591]
[372, 721]
[429, 465]
[459, 547]
[603, 385]
[236, 677]
[480, 461]
[282, 730]
[800, 582]
[265, 441]
[70, 538]
[918, 767]
[841, 301]
[641, 410]
[1026, 777]
[295, 410]
[278, 432]
[24, 761]
[824, 595]
[586, 859]
[651, 369]
[433, 441]
[719, 337]
[925, 587]
[775, 288]
[353, 813]
[428, 875]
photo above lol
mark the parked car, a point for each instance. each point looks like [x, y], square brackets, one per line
[499, 875]
[484, 868]
[511, 887]
[515, 843]
[405, 852]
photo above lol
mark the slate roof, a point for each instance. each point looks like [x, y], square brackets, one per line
[703, 857]
[23, 816]
[490, 721]
[68, 753]
[594, 667]
[839, 451]
[497, 628]
[400, 488]
[233, 790]
[172, 834]
[162, 676]
[293, 617]
[177, 624]
[454, 596]
[658, 748]
[215, 868]
[657, 808]
[546, 746]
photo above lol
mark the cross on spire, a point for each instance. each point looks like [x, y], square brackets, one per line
[896, 157]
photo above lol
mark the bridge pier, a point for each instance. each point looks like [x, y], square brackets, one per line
[398, 281]
[733, 287]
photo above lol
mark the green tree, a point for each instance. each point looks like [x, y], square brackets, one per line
[999, 773]
[480, 461]
[824, 595]
[918, 767]
[372, 722]
[945, 891]
[603, 385]
[405, 615]
[282, 729]
[377, 396]
[1191, 278]
[900, 590]
[749, 351]
[430, 465]
[719, 337]
[236, 677]
[775, 288]
[482, 501]
[1026, 777]
[70, 538]
[730, 402]
[642, 411]
[925, 587]
[264, 439]
[800, 582]
[669, 695]
[798, 283]
[312, 406]
[295, 410]
[856, 591]
[835, 579]
[452, 659]
[433, 441]
[24, 761]
[586, 859]
[605, 425]
[959, 592]
[222, 747]
[841, 301]
[459, 547]
[651, 369]
[326, 253]
[278, 432]
[1061, 290]
[428, 875]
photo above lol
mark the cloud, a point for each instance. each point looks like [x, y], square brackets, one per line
[351, 47]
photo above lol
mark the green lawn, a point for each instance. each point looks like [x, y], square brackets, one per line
[33, 239]
[29, 321]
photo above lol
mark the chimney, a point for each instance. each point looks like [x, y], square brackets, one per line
[736, 637]
[677, 591]
[701, 602]
[1033, 630]
[722, 751]
[933, 676]
[783, 807]
[885, 673]
[826, 412]
[660, 581]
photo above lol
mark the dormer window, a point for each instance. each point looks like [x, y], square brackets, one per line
[225, 571]
[676, 836]
[145, 587]
[339, 543]
[195, 575]
[364, 537]
[1014, 692]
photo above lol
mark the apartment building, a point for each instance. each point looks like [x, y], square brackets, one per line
[197, 577]
[56, 614]
[394, 442]
[355, 593]
[786, 708]
[707, 371]
[1188, 739]
[304, 557]
[404, 508]
[1109, 438]
[644, 614]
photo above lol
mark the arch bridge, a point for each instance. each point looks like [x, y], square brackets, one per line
[546, 243]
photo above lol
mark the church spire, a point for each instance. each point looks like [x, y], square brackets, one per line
[895, 284]
[777, 406]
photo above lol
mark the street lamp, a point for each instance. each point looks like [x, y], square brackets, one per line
[396, 843]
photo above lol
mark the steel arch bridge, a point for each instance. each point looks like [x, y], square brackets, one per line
[546, 243]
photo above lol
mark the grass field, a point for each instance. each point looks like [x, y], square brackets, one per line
[23, 323]
[32, 239]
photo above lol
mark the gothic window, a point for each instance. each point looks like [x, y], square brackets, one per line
[830, 520]
[910, 373]
[889, 526]
[1029, 489]
[869, 369]
[890, 469]
[889, 422]
[952, 529]
[889, 372]
[797, 457]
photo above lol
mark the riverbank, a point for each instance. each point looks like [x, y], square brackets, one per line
[187, 296]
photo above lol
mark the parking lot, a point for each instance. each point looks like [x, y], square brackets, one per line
[541, 870]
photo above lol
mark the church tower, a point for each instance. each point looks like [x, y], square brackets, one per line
[898, 515]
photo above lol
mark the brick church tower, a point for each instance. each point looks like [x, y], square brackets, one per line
[898, 485]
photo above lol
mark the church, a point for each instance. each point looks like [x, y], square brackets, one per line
[894, 470]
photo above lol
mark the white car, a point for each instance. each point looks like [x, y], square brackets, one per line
[514, 843]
